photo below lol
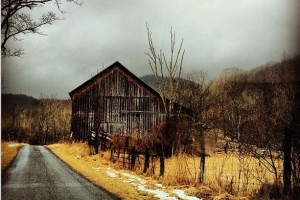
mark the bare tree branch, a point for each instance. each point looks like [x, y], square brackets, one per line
[167, 86]
[14, 21]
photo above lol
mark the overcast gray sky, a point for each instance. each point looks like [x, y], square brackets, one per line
[217, 34]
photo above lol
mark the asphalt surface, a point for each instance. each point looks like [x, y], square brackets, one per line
[38, 174]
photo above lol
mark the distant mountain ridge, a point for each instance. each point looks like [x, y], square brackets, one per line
[149, 80]
[287, 70]
[21, 100]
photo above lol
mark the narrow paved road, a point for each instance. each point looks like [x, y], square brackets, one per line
[37, 174]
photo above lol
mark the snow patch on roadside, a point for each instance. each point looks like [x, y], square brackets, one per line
[157, 193]
[142, 181]
[182, 195]
[96, 168]
[111, 172]
[13, 145]
[141, 185]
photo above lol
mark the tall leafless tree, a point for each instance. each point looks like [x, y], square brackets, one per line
[167, 73]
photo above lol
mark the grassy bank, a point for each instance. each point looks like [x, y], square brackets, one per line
[9, 151]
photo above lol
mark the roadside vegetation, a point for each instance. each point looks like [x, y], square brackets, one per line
[9, 151]
[228, 175]
[35, 121]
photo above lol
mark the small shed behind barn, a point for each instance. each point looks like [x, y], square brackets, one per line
[115, 101]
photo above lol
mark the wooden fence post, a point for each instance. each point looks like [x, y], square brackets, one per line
[147, 158]
[133, 154]
[96, 143]
[112, 158]
[124, 151]
[162, 163]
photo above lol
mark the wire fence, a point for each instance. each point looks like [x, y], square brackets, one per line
[233, 172]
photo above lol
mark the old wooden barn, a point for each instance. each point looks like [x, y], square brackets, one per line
[115, 101]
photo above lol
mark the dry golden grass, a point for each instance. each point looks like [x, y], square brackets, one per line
[226, 174]
[9, 151]
[77, 157]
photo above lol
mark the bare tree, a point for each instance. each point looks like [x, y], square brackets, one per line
[234, 103]
[167, 73]
[196, 94]
[16, 20]
[262, 117]
[51, 120]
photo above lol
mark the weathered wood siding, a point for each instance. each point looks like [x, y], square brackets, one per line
[115, 102]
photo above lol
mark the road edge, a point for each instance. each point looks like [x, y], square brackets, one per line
[81, 175]
[4, 171]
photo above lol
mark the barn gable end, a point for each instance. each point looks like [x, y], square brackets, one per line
[115, 101]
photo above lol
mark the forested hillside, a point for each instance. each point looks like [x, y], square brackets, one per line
[9, 101]
[38, 121]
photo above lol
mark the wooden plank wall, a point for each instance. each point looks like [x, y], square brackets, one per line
[115, 103]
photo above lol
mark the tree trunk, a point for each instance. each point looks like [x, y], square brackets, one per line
[202, 158]
[202, 168]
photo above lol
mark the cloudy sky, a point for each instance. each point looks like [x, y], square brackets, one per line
[217, 34]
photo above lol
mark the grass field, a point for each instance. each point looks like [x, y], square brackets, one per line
[231, 173]
[9, 150]
[239, 175]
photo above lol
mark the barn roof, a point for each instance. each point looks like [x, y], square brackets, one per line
[116, 64]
